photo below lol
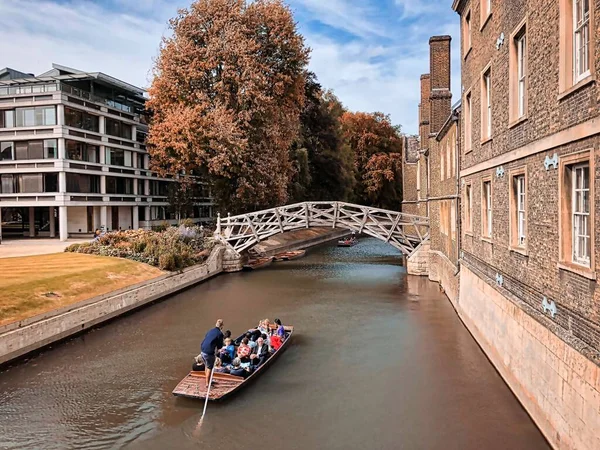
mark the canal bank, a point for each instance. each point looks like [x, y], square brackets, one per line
[380, 360]
[554, 375]
[19, 338]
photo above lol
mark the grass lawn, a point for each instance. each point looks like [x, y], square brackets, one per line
[32, 285]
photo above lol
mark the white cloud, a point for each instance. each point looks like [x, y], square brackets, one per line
[377, 71]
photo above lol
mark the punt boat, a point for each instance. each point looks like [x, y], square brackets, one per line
[288, 256]
[348, 242]
[194, 384]
[258, 263]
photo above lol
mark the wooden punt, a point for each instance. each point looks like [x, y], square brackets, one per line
[193, 385]
[347, 242]
[258, 263]
[288, 256]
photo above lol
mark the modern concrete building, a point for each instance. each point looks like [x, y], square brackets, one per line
[73, 156]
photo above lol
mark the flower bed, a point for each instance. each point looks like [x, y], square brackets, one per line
[172, 249]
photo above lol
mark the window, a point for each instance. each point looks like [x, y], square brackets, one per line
[518, 205]
[453, 220]
[80, 151]
[521, 73]
[119, 129]
[46, 149]
[575, 45]
[468, 209]
[467, 34]
[485, 11]
[468, 122]
[581, 214]
[140, 161]
[517, 75]
[119, 185]
[486, 209]
[448, 159]
[117, 157]
[581, 38]
[442, 158]
[486, 105]
[141, 189]
[80, 119]
[576, 212]
[33, 117]
[6, 151]
[80, 183]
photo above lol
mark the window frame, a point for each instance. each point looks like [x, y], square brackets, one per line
[515, 211]
[468, 33]
[569, 80]
[468, 122]
[485, 12]
[487, 209]
[566, 215]
[469, 208]
[578, 29]
[487, 129]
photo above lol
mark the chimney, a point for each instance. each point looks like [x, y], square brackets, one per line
[424, 108]
[440, 95]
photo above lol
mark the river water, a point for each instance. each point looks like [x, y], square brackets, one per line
[378, 361]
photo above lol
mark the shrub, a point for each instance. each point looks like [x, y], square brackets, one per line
[170, 249]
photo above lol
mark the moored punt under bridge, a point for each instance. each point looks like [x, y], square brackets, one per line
[403, 231]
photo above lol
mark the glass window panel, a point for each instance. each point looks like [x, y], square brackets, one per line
[49, 115]
[6, 151]
[29, 117]
[50, 148]
[7, 184]
[9, 119]
[21, 150]
[36, 150]
[39, 116]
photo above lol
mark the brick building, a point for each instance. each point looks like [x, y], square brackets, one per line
[431, 186]
[529, 137]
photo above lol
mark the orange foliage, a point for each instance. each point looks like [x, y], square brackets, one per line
[226, 99]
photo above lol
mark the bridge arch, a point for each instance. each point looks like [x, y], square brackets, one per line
[403, 231]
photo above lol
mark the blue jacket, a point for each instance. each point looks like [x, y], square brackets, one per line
[212, 341]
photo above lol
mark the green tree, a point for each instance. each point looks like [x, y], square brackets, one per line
[322, 158]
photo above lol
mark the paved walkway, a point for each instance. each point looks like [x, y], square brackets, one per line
[36, 246]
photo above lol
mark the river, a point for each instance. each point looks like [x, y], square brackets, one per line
[379, 360]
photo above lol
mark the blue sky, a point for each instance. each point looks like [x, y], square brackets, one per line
[370, 52]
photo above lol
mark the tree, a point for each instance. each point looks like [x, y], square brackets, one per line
[377, 149]
[182, 195]
[226, 99]
[323, 160]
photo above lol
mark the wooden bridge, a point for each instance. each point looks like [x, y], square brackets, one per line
[403, 231]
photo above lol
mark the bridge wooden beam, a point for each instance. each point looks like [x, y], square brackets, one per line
[394, 225]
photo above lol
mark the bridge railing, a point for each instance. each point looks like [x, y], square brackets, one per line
[403, 231]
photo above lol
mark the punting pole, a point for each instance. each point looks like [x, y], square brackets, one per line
[207, 391]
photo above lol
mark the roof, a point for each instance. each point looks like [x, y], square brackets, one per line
[453, 117]
[64, 73]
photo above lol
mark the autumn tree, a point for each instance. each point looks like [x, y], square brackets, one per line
[322, 158]
[377, 150]
[226, 99]
[182, 195]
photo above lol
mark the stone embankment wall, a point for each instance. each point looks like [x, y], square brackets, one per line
[418, 262]
[20, 338]
[554, 375]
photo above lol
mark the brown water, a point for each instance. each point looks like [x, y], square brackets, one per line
[378, 361]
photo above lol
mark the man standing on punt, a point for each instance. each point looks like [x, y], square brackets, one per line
[212, 341]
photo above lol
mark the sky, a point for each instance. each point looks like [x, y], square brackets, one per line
[369, 52]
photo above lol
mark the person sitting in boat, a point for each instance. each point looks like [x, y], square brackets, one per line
[237, 370]
[198, 364]
[263, 328]
[260, 353]
[280, 329]
[227, 353]
[219, 368]
[275, 342]
[251, 342]
[244, 350]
